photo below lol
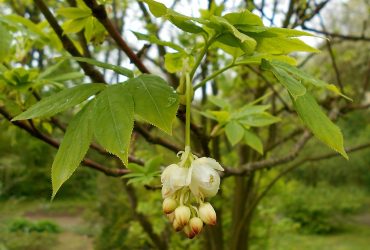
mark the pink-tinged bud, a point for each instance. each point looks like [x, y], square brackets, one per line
[196, 225]
[169, 205]
[176, 225]
[171, 217]
[207, 214]
[189, 233]
[182, 215]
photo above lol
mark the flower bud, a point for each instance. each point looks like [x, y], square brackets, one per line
[189, 232]
[196, 225]
[169, 205]
[171, 217]
[182, 215]
[207, 213]
[176, 225]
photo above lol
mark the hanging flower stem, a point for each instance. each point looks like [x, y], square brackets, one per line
[189, 97]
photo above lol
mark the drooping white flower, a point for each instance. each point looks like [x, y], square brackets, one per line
[190, 181]
[173, 178]
[205, 180]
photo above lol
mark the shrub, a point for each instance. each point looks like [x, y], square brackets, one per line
[26, 226]
[317, 209]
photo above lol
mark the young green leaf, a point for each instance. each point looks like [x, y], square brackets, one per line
[294, 87]
[221, 25]
[154, 39]
[114, 120]
[249, 110]
[252, 140]
[319, 124]
[5, 42]
[305, 77]
[156, 8]
[74, 25]
[60, 101]
[174, 62]
[73, 148]
[243, 18]
[74, 13]
[234, 132]
[155, 101]
[183, 22]
[118, 69]
[259, 120]
[282, 45]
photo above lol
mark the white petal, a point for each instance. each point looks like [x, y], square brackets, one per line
[205, 180]
[209, 162]
[173, 178]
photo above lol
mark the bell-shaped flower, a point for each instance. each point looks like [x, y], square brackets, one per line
[205, 180]
[173, 178]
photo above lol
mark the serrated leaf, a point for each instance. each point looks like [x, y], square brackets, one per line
[60, 101]
[118, 69]
[252, 140]
[73, 148]
[5, 42]
[259, 120]
[319, 124]
[294, 87]
[156, 8]
[114, 120]
[155, 101]
[234, 132]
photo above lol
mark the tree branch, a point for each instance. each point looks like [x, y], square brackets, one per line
[100, 13]
[94, 74]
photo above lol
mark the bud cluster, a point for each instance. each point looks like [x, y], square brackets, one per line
[187, 218]
[185, 186]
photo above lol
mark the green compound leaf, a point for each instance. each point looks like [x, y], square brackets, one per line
[114, 120]
[155, 101]
[60, 101]
[234, 132]
[73, 148]
[252, 140]
[319, 124]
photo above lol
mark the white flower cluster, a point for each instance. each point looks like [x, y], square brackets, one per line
[184, 188]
